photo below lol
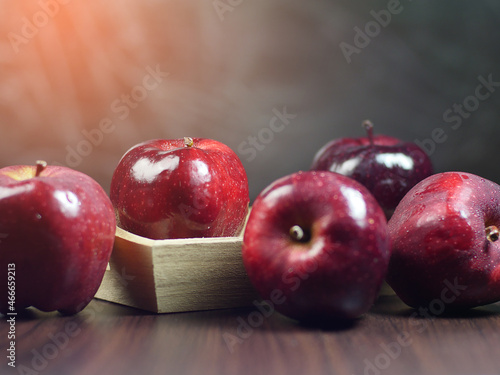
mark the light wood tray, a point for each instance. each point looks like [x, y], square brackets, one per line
[176, 275]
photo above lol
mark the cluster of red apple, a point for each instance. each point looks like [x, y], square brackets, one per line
[323, 241]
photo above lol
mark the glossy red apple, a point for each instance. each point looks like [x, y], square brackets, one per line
[180, 188]
[387, 166]
[316, 246]
[446, 250]
[57, 230]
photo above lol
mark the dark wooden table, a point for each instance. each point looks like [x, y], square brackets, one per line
[106, 338]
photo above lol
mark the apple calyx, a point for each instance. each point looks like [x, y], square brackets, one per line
[40, 167]
[368, 125]
[492, 233]
[298, 234]
[188, 142]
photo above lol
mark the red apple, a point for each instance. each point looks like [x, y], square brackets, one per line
[445, 235]
[180, 188]
[387, 166]
[316, 246]
[58, 229]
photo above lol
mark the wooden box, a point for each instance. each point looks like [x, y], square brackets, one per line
[176, 275]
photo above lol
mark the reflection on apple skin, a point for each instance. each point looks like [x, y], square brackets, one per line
[388, 167]
[180, 188]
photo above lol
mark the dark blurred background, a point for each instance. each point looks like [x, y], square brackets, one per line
[83, 81]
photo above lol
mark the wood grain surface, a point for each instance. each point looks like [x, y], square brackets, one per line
[391, 339]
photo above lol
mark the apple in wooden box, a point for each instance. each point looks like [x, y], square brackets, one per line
[180, 188]
[181, 206]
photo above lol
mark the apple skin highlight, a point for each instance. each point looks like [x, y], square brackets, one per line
[387, 166]
[180, 188]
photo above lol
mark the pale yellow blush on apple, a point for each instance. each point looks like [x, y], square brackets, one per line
[23, 173]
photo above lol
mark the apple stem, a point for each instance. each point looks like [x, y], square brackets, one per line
[40, 167]
[298, 234]
[188, 141]
[492, 233]
[368, 125]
